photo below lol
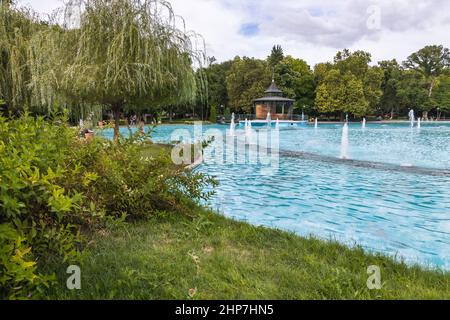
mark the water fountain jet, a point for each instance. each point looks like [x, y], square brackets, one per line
[411, 117]
[344, 142]
[269, 120]
[232, 125]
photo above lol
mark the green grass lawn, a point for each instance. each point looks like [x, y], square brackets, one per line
[211, 257]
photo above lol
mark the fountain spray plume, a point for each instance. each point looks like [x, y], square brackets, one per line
[411, 117]
[248, 128]
[364, 123]
[232, 125]
[269, 120]
[344, 142]
[316, 123]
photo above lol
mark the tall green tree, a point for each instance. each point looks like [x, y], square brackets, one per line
[217, 86]
[354, 97]
[213, 114]
[340, 94]
[441, 94]
[372, 83]
[431, 62]
[276, 56]
[17, 27]
[349, 85]
[389, 101]
[296, 80]
[356, 62]
[329, 95]
[321, 70]
[412, 90]
[126, 54]
[247, 80]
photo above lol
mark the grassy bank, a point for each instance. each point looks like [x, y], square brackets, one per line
[211, 257]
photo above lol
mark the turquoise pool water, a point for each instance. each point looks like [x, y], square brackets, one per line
[393, 197]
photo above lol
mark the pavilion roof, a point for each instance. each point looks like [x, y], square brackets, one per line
[273, 94]
[273, 88]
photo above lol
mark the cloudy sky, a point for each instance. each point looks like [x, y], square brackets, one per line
[313, 30]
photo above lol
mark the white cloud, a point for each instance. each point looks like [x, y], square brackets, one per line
[310, 29]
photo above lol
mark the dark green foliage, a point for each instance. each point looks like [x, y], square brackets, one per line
[217, 86]
[412, 90]
[296, 80]
[227, 113]
[247, 80]
[390, 101]
[350, 85]
[213, 114]
[441, 95]
[276, 56]
[431, 61]
[53, 185]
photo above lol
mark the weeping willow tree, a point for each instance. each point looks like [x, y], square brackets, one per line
[127, 54]
[32, 59]
[92, 54]
[16, 30]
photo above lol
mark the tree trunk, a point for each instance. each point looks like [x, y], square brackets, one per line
[116, 111]
[430, 92]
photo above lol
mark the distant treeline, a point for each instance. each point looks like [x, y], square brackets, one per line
[351, 84]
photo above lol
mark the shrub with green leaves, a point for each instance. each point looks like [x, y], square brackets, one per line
[213, 114]
[54, 184]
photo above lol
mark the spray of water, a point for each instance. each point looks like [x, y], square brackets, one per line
[269, 120]
[411, 117]
[232, 125]
[344, 142]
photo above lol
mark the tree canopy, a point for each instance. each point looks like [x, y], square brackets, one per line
[247, 79]
[117, 54]
[349, 85]
[276, 56]
[296, 80]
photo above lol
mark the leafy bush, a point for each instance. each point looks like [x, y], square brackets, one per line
[213, 114]
[227, 113]
[54, 184]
